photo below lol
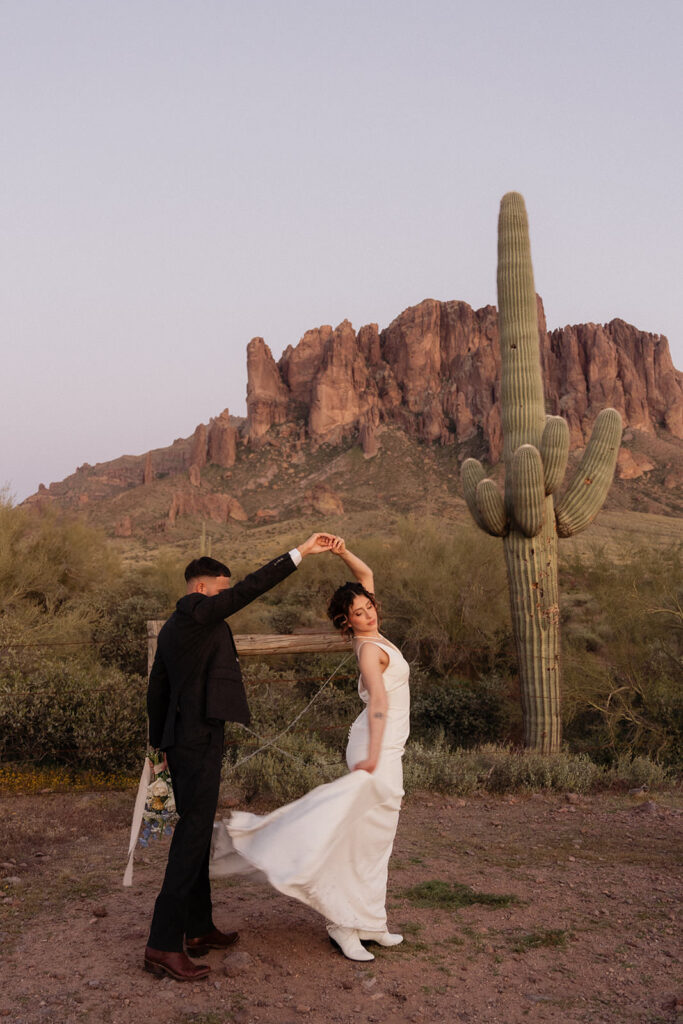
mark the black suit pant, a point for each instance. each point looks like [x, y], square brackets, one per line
[183, 906]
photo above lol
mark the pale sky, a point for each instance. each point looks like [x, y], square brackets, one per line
[178, 177]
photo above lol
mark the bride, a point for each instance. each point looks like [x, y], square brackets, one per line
[331, 848]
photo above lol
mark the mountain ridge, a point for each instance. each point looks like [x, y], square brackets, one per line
[432, 376]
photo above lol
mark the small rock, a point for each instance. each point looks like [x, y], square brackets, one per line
[572, 798]
[13, 880]
[649, 807]
[237, 963]
[302, 1009]
[100, 911]
[94, 984]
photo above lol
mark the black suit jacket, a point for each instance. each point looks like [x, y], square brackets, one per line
[195, 649]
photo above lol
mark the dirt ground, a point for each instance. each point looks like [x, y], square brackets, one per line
[592, 936]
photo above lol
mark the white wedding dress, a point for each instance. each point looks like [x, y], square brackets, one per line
[331, 848]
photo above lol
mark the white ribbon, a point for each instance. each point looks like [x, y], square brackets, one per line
[149, 771]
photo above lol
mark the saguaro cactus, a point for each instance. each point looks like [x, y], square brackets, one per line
[535, 451]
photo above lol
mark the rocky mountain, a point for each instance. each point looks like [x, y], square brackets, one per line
[432, 376]
[435, 372]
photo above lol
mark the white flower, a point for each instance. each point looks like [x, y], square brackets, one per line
[158, 788]
[170, 803]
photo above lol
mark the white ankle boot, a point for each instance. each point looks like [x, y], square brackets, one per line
[346, 939]
[381, 938]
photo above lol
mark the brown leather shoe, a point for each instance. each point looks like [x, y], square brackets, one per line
[177, 965]
[212, 940]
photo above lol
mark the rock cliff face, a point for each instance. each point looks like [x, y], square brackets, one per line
[435, 372]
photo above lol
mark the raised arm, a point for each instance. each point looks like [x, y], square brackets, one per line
[360, 570]
[370, 662]
[208, 610]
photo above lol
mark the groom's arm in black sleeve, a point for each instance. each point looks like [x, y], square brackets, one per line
[210, 610]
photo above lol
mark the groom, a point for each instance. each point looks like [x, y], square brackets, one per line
[195, 686]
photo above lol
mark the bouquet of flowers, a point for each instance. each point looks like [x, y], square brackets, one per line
[159, 815]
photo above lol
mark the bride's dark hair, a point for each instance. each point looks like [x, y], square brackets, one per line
[342, 599]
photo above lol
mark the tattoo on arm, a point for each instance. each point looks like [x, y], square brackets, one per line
[378, 714]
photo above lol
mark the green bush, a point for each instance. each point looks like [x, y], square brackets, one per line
[48, 558]
[121, 632]
[623, 655]
[439, 768]
[464, 712]
[631, 772]
[505, 770]
[296, 764]
[79, 715]
[497, 769]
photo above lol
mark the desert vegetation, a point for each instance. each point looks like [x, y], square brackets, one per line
[73, 661]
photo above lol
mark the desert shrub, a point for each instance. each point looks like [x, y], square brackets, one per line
[436, 766]
[122, 611]
[66, 712]
[277, 694]
[303, 761]
[296, 764]
[120, 632]
[48, 558]
[466, 713]
[623, 655]
[505, 770]
[631, 772]
[497, 769]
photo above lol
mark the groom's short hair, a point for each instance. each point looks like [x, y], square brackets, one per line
[205, 566]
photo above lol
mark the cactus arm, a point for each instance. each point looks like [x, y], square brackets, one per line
[521, 395]
[554, 451]
[471, 474]
[526, 489]
[491, 508]
[588, 489]
[484, 502]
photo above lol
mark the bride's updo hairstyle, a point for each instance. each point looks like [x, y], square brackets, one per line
[339, 606]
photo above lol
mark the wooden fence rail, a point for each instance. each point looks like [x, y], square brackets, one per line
[266, 643]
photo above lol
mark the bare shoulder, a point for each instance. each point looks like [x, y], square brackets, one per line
[371, 655]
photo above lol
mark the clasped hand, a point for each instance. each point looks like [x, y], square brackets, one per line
[320, 542]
